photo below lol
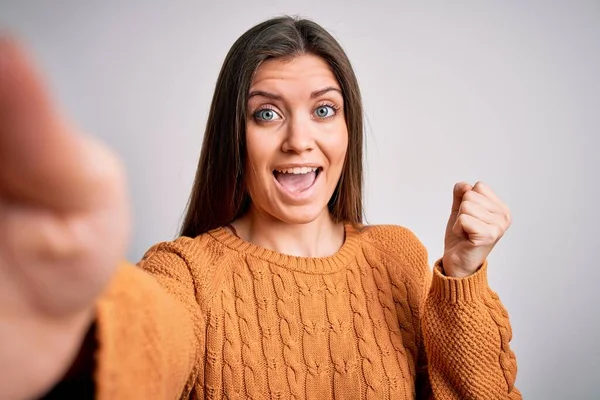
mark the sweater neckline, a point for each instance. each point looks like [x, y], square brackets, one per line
[310, 265]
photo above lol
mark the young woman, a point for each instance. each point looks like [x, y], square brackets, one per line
[275, 288]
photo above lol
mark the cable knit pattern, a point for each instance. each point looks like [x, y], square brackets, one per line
[341, 339]
[315, 336]
[365, 341]
[388, 330]
[269, 325]
[232, 358]
[508, 360]
[287, 309]
[252, 355]
[216, 317]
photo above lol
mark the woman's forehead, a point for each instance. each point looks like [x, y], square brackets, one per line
[307, 72]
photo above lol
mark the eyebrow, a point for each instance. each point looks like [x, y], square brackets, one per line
[273, 96]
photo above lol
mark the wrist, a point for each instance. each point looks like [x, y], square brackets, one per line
[459, 289]
[54, 345]
[453, 270]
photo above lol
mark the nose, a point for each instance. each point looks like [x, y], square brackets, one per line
[299, 136]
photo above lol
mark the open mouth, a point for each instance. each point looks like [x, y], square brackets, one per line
[297, 179]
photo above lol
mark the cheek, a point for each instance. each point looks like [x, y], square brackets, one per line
[337, 147]
[252, 145]
[343, 145]
[259, 151]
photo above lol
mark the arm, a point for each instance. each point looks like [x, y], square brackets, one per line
[465, 328]
[147, 346]
[455, 329]
[147, 337]
[78, 382]
[64, 225]
[466, 335]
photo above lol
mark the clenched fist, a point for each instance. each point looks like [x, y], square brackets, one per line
[64, 226]
[477, 221]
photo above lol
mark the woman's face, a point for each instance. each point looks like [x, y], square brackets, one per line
[296, 138]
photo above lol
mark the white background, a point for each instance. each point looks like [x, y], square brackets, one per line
[504, 92]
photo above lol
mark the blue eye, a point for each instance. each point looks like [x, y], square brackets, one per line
[266, 114]
[325, 111]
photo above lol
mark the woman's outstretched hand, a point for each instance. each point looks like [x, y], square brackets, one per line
[64, 226]
[477, 221]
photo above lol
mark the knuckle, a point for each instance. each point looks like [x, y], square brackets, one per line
[505, 217]
[499, 231]
[469, 196]
[462, 218]
[468, 207]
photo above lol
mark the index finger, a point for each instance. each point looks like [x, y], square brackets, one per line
[42, 159]
[485, 190]
[458, 193]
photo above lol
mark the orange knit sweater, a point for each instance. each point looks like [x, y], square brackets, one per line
[217, 317]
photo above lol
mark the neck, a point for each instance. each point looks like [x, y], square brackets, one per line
[319, 238]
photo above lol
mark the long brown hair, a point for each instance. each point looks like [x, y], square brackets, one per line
[219, 193]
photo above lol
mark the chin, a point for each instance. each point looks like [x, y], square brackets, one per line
[300, 215]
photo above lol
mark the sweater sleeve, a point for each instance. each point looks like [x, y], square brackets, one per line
[459, 333]
[149, 329]
[466, 334]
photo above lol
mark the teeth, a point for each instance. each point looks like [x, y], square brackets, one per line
[297, 170]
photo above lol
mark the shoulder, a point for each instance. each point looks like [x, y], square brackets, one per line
[194, 263]
[398, 248]
[394, 239]
[195, 252]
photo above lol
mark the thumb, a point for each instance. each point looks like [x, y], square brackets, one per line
[458, 193]
[43, 160]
